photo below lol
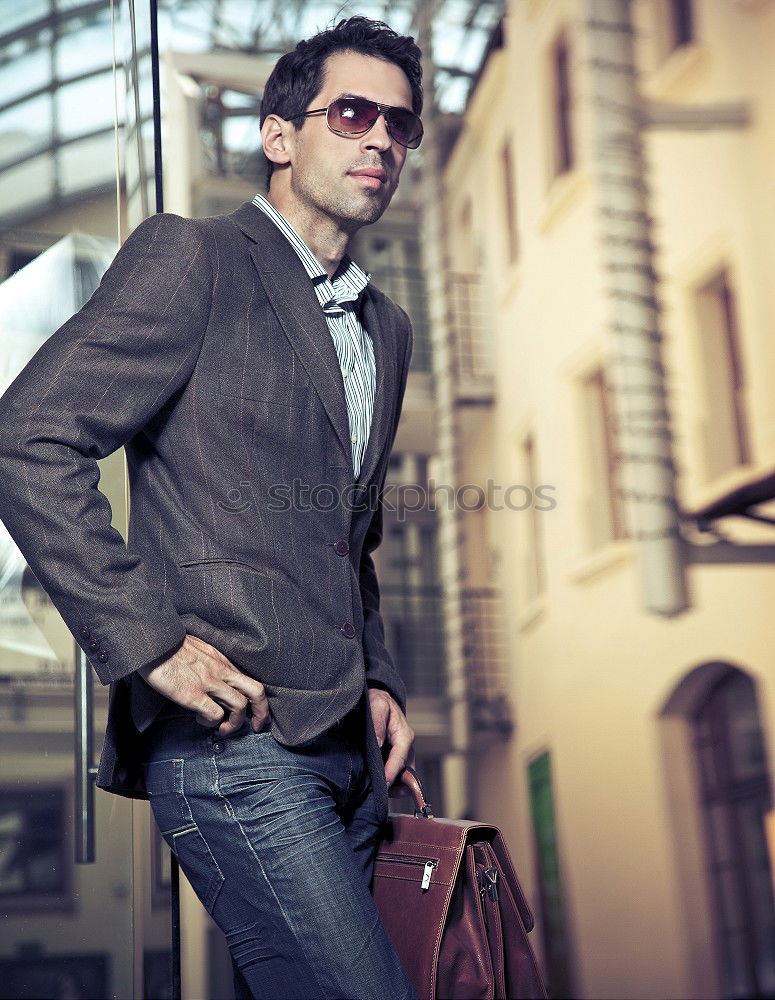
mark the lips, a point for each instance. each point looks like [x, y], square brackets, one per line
[370, 172]
[370, 177]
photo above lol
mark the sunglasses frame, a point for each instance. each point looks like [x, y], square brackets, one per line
[382, 109]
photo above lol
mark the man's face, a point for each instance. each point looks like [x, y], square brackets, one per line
[324, 164]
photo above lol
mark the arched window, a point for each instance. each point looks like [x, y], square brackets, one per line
[735, 794]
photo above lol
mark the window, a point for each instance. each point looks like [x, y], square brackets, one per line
[681, 22]
[724, 430]
[735, 794]
[468, 249]
[562, 124]
[34, 870]
[533, 553]
[509, 200]
[553, 931]
[604, 502]
[675, 24]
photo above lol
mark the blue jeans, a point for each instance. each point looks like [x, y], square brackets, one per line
[279, 845]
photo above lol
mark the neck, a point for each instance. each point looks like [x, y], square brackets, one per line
[325, 238]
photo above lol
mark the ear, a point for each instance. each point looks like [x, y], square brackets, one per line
[275, 132]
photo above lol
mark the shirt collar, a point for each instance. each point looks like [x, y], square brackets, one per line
[348, 281]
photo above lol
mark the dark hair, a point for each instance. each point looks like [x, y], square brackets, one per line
[298, 75]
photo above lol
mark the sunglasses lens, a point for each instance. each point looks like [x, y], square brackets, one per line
[405, 127]
[351, 115]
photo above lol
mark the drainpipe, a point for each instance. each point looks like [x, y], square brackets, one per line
[457, 775]
[637, 374]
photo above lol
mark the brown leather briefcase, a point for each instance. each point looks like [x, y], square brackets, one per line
[451, 902]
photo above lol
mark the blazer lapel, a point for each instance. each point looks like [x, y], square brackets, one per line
[382, 334]
[296, 306]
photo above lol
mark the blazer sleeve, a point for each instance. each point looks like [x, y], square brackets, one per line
[381, 671]
[90, 387]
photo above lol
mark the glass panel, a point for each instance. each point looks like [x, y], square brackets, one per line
[85, 106]
[40, 875]
[63, 5]
[16, 15]
[24, 187]
[24, 72]
[737, 978]
[720, 833]
[85, 50]
[732, 915]
[69, 928]
[25, 127]
[761, 901]
[745, 736]
[82, 163]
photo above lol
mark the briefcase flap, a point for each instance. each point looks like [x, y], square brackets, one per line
[415, 871]
[417, 837]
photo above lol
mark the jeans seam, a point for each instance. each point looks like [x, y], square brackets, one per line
[350, 771]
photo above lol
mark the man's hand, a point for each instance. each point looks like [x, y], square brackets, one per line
[390, 722]
[199, 677]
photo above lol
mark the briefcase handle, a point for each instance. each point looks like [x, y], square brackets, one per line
[409, 777]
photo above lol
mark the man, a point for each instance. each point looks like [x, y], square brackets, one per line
[245, 362]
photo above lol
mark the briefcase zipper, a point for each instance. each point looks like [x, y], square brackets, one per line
[487, 877]
[488, 883]
[428, 865]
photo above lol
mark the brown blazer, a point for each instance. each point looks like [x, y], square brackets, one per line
[205, 353]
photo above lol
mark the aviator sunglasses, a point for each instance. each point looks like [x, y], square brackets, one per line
[356, 115]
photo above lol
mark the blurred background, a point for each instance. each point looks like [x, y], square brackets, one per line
[577, 578]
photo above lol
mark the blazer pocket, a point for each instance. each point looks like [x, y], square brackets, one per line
[277, 390]
[280, 425]
[234, 597]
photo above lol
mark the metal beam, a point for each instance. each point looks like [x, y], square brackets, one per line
[730, 114]
[728, 553]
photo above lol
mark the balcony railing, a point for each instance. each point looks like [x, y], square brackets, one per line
[486, 655]
[472, 365]
[414, 632]
[414, 635]
[406, 286]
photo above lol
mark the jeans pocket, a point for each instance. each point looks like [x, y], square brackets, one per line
[245, 731]
[171, 810]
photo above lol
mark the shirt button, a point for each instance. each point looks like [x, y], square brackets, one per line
[348, 629]
[345, 373]
[353, 438]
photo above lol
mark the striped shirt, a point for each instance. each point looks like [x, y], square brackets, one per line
[339, 299]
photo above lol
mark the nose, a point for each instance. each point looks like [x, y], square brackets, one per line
[378, 136]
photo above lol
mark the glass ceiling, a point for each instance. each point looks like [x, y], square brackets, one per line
[461, 29]
[56, 85]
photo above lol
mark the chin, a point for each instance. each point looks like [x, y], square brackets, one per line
[371, 213]
[371, 209]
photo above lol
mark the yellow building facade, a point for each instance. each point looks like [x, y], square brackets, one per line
[636, 786]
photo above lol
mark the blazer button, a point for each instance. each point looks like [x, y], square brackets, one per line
[341, 546]
[94, 645]
[103, 657]
[348, 629]
[85, 633]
